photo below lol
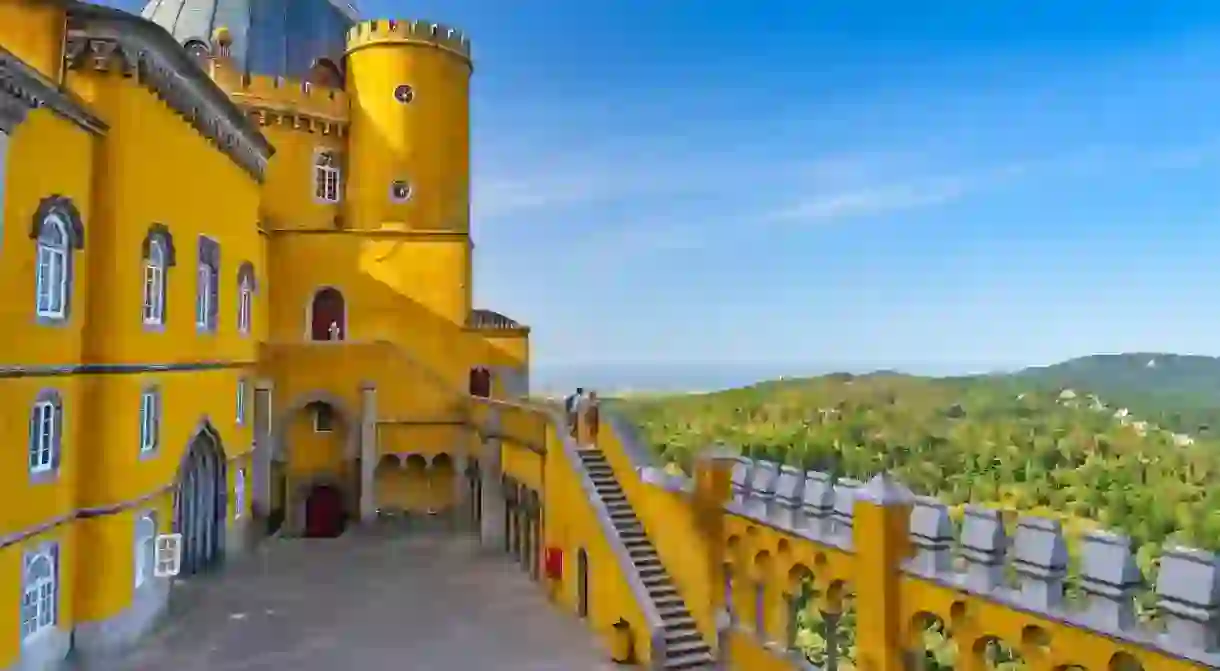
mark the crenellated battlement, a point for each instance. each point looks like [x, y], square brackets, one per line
[383, 31]
[284, 96]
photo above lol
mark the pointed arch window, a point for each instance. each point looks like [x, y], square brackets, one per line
[207, 286]
[157, 250]
[150, 420]
[40, 592]
[246, 286]
[57, 231]
[326, 176]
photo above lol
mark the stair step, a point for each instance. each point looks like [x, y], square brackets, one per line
[654, 579]
[674, 616]
[693, 660]
[678, 637]
[680, 624]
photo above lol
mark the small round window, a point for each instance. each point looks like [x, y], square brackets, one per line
[400, 191]
[404, 94]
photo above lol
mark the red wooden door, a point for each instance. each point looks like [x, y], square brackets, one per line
[324, 512]
[328, 318]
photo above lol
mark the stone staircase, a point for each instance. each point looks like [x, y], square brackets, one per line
[684, 645]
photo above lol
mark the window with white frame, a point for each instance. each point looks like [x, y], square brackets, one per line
[203, 297]
[146, 548]
[326, 176]
[150, 420]
[239, 493]
[207, 285]
[241, 401]
[53, 257]
[40, 592]
[245, 304]
[45, 422]
[154, 283]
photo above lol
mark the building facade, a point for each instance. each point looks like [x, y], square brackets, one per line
[236, 247]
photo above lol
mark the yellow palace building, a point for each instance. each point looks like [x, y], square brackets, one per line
[236, 256]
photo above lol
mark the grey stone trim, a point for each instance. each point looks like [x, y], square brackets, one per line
[65, 209]
[160, 233]
[118, 368]
[155, 389]
[493, 321]
[103, 639]
[46, 396]
[109, 39]
[279, 448]
[23, 88]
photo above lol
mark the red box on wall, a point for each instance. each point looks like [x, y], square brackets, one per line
[553, 563]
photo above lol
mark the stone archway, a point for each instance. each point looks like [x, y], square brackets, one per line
[347, 429]
[201, 501]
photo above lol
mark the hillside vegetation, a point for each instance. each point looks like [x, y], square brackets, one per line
[1020, 442]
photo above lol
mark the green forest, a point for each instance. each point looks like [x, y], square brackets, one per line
[1112, 441]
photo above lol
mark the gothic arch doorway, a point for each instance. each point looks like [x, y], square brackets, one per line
[328, 315]
[200, 503]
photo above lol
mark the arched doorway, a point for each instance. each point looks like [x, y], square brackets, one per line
[324, 72]
[480, 382]
[200, 503]
[582, 583]
[328, 315]
[325, 516]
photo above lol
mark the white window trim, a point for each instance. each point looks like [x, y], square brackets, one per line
[150, 420]
[146, 548]
[154, 284]
[52, 257]
[203, 297]
[241, 401]
[42, 594]
[327, 179]
[245, 306]
[46, 411]
[239, 493]
[317, 415]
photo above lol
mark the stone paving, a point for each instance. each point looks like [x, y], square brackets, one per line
[431, 602]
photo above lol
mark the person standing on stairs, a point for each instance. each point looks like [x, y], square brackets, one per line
[571, 405]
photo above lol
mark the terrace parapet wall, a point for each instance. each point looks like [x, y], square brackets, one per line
[987, 581]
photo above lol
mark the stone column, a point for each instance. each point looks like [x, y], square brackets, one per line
[458, 512]
[713, 489]
[491, 531]
[368, 452]
[260, 467]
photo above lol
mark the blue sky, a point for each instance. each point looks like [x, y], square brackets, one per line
[935, 186]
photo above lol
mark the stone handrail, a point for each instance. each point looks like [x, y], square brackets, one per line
[555, 417]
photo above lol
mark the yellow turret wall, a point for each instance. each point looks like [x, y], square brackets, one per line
[232, 294]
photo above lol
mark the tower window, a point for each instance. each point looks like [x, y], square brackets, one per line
[400, 191]
[404, 94]
[326, 177]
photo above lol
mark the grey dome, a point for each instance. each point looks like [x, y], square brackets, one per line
[270, 37]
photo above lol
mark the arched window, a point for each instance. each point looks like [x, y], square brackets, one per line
[328, 315]
[150, 420]
[40, 592]
[146, 548]
[207, 287]
[480, 382]
[52, 281]
[326, 176]
[324, 72]
[154, 283]
[46, 433]
[245, 297]
[198, 50]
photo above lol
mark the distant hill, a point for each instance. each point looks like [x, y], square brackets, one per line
[1178, 391]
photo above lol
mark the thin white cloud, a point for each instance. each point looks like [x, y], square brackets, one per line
[873, 201]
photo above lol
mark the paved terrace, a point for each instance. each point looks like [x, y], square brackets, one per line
[429, 602]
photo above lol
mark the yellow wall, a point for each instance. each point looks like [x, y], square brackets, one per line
[288, 194]
[34, 32]
[55, 158]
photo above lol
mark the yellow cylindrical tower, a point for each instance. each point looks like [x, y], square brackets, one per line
[409, 144]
